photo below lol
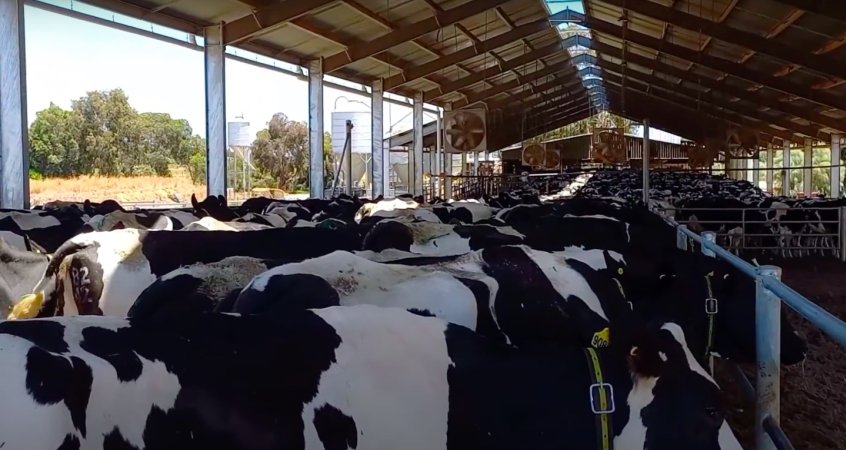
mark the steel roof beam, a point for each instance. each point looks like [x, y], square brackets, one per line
[518, 134]
[169, 20]
[681, 121]
[419, 71]
[721, 65]
[822, 64]
[540, 90]
[515, 83]
[407, 32]
[717, 86]
[540, 107]
[477, 77]
[708, 98]
[541, 100]
[265, 19]
[829, 8]
[668, 98]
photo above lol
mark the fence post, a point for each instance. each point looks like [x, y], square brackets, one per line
[709, 236]
[681, 238]
[841, 232]
[768, 350]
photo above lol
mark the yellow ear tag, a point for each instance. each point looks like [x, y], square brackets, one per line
[28, 307]
[619, 271]
[601, 338]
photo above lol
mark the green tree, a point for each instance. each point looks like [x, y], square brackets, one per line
[820, 176]
[328, 159]
[108, 137]
[103, 134]
[54, 146]
[280, 153]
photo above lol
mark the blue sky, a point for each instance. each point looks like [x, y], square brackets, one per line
[67, 57]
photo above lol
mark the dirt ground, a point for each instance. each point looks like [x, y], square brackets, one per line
[147, 189]
[813, 394]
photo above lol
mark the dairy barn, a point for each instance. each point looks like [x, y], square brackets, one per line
[476, 282]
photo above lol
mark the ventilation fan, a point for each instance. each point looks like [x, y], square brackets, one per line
[553, 159]
[465, 130]
[534, 155]
[608, 145]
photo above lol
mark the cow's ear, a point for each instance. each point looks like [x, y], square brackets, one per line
[194, 200]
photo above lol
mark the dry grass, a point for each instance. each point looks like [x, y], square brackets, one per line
[153, 189]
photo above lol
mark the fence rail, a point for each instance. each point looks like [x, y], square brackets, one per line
[770, 292]
[750, 237]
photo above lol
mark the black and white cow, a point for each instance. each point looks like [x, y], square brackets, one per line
[343, 377]
[436, 239]
[397, 207]
[103, 273]
[675, 286]
[209, 223]
[200, 287]
[512, 293]
[47, 229]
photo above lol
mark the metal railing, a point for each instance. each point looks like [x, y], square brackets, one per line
[770, 292]
[750, 237]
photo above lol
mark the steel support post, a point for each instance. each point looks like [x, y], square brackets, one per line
[215, 65]
[645, 164]
[807, 173]
[681, 238]
[785, 185]
[348, 161]
[417, 114]
[438, 170]
[379, 173]
[448, 179]
[14, 143]
[754, 174]
[768, 349]
[770, 172]
[315, 128]
[835, 165]
[711, 237]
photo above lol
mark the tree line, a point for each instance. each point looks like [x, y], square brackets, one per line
[102, 134]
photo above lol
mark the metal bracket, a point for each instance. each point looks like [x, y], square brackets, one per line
[608, 390]
[711, 306]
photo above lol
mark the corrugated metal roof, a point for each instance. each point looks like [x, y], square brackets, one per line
[759, 64]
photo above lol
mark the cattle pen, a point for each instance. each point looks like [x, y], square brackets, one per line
[769, 294]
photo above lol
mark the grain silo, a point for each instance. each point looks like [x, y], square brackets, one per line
[360, 144]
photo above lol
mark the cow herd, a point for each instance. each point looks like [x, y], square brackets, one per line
[501, 323]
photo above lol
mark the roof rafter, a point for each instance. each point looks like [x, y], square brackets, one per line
[515, 83]
[824, 65]
[722, 65]
[419, 71]
[406, 33]
[658, 67]
[266, 19]
[829, 8]
[671, 98]
[477, 77]
[706, 98]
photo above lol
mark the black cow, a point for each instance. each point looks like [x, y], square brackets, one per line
[342, 377]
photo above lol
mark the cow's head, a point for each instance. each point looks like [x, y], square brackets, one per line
[695, 279]
[673, 403]
[213, 206]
